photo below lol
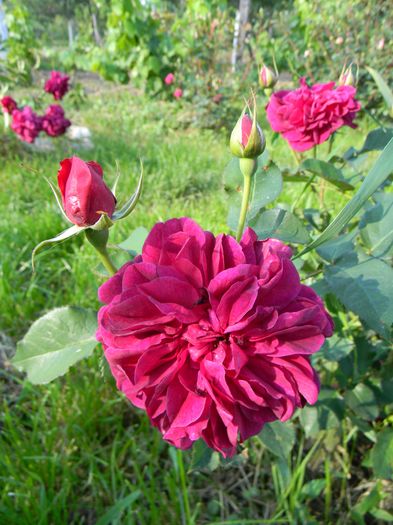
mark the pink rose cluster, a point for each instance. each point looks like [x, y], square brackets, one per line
[169, 80]
[211, 337]
[27, 124]
[309, 115]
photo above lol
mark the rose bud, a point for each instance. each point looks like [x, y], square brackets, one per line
[169, 79]
[267, 78]
[347, 78]
[8, 104]
[84, 194]
[247, 139]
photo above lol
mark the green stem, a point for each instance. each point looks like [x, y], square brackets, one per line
[244, 207]
[183, 485]
[98, 239]
[106, 261]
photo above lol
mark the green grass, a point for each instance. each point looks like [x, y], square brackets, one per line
[69, 451]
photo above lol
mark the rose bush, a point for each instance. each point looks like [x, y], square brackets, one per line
[212, 337]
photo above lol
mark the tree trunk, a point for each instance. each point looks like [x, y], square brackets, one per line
[97, 36]
[240, 32]
[70, 32]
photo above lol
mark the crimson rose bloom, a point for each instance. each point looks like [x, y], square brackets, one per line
[211, 337]
[8, 104]
[308, 115]
[54, 123]
[83, 191]
[26, 123]
[57, 84]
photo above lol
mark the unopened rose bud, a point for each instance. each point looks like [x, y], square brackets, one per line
[267, 78]
[347, 78]
[84, 194]
[247, 139]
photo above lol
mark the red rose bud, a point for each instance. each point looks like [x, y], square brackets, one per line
[54, 123]
[347, 78]
[85, 195]
[247, 140]
[8, 104]
[57, 84]
[267, 78]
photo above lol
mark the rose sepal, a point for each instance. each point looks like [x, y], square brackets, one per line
[66, 234]
[128, 207]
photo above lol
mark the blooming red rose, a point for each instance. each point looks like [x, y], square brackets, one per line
[169, 79]
[210, 336]
[307, 116]
[57, 84]
[8, 104]
[26, 123]
[178, 93]
[84, 193]
[54, 123]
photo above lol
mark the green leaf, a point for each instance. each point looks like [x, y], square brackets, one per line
[313, 488]
[55, 342]
[337, 347]
[204, 457]
[339, 247]
[135, 241]
[366, 288]
[327, 171]
[382, 454]
[376, 226]
[384, 89]
[378, 174]
[280, 224]
[363, 402]
[113, 515]
[233, 178]
[377, 139]
[267, 187]
[278, 437]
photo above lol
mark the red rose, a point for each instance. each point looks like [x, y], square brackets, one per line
[54, 123]
[26, 123]
[8, 104]
[84, 193]
[57, 85]
[211, 337]
[307, 116]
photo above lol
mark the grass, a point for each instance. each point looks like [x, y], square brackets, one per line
[74, 451]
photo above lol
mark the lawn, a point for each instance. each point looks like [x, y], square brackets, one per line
[76, 451]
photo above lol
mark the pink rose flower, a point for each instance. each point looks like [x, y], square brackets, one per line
[57, 84]
[307, 116]
[211, 337]
[54, 123]
[178, 93]
[26, 123]
[83, 191]
[169, 79]
[8, 104]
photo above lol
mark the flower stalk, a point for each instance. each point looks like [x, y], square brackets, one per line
[248, 167]
[98, 239]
